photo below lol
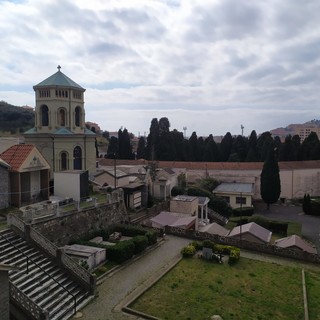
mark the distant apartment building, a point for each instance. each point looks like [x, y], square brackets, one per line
[302, 130]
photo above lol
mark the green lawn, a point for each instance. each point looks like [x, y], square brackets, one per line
[196, 289]
[313, 294]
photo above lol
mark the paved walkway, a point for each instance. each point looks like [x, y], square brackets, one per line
[132, 279]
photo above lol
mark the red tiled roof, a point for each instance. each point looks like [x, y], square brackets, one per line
[16, 155]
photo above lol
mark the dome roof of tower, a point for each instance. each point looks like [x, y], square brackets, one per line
[58, 79]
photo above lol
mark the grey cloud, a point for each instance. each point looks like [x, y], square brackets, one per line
[291, 18]
[304, 52]
[109, 50]
[227, 20]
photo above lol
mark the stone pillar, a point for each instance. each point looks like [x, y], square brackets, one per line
[202, 215]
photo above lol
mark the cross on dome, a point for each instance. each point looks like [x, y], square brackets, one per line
[59, 67]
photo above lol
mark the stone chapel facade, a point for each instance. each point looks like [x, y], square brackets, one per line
[60, 133]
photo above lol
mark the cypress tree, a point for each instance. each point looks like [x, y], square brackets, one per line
[270, 187]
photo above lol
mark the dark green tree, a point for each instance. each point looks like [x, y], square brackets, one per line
[270, 187]
[308, 148]
[112, 151]
[193, 147]
[226, 146]
[263, 145]
[141, 149]
[124, 145]
[179, 145]
[287, 150]
[239, 147]
[153, 140]
[165, 149]
[252, 154]
[306, 204]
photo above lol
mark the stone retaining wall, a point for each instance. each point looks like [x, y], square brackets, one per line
[61, 230]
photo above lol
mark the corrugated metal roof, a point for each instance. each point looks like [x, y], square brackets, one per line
[58, 79]
[234, 188]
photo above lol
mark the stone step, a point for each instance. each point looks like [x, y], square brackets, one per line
[15, 256]
[33, 269]
[45, 283]
[10, 242]
[40, 281]
[66, 309]
[22, 272]
[56, 293]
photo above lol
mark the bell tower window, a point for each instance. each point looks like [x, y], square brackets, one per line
[62, 117]
[77, 158]
[44, 116]
[63, 161]
[77, 116]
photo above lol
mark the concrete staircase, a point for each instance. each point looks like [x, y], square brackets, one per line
[40, 279]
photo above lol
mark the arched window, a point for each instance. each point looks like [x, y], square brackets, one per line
[77, 158]
[77, 116]
[44, 116]
[62, 117]
[63, 161]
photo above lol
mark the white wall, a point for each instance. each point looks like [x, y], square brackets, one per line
[67, 185]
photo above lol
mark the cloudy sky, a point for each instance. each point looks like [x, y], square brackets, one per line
[208, 65]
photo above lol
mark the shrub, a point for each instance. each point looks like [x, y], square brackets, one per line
[152, 236]
[234, 256]
[121, 252]
[224, 249]
[188, 251]
[197, 244]
[208, 244]
[245, 211]
[130, 230]
[140, 243]
[278, 227]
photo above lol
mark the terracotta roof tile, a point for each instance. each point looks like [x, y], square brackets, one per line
[16, 155]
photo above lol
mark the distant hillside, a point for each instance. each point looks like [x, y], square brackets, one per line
[15, 119]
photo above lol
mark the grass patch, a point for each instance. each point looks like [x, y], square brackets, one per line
[294, 228]
[313, 293]
[197, 289]
[105, 268]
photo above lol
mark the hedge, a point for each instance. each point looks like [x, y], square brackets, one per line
[140, 243]
[121, 252]
[244, 211]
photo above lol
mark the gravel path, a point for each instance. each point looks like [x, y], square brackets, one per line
[132, 279]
